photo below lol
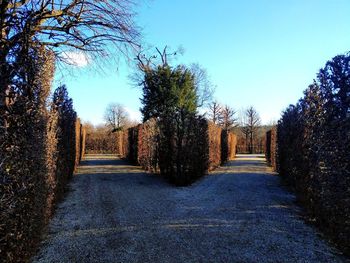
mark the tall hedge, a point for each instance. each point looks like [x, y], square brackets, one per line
[100, 141]
[228, 146]
[22, 156]
[29, 155]
[214, 134]
[271, 147]
[313, 149]
[182, 163]
[201, 149]
[148, 145]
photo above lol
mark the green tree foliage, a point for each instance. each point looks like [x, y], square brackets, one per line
[313, 148]
[170, 96]
[168, 92]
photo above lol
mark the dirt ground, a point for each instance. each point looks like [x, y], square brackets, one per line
[115, 212]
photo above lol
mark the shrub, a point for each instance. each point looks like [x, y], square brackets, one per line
[100, 140]
[29, 155]
[313, 149]
[157, 152]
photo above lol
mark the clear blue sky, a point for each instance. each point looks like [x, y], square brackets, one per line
[262, 53]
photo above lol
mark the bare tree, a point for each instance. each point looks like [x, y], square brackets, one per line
[204, 87]
[228, 118]
[146, 63]
[215, 112]
[61, 26]
[116, 117]
[250, 125]
[81, 24]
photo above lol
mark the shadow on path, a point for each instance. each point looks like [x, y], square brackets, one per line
[239, 213]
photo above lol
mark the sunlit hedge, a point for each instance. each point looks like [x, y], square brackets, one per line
[38, 154]
[313, 140]
[204, 146]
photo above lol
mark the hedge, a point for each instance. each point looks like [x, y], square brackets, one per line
[313, 139]
[271, 148]
[203, 147]
[37, 155]
[102, 141]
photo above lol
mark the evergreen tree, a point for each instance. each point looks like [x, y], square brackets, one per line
[168, 92]
[170, 96]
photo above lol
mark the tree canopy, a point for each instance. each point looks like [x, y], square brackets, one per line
[168, 92]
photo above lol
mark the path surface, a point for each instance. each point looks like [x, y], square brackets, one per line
[240, 213]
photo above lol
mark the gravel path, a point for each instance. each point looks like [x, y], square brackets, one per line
[239, 213]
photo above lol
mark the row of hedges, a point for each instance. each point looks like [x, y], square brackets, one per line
[103, 141]
[222, 145]
[313, 140]
[204, 146]
[38, 154]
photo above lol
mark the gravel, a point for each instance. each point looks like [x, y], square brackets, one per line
[115, 212]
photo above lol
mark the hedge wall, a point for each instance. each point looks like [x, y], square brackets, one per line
[148, 144]
[103, 141]
[34, 177]
[203, 147]
[271, 148]
[38, 141]
[228, 146]
[313, 149]
[214, 133]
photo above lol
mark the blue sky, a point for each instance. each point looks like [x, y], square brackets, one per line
[262, 53]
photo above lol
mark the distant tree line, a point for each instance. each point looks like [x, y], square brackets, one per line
[224, 116]
[312, 151]
[106, 137]
[250, 133]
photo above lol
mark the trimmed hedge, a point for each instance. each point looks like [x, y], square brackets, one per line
[214, 133]
[203, 147]
[102, 141]
[32, 187]
[271, 148]
[148, 144]
[37, 155]
[313, 150]
[228, 146]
